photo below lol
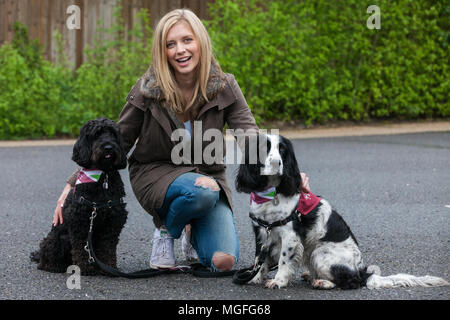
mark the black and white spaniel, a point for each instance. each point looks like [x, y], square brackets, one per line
[295, 227]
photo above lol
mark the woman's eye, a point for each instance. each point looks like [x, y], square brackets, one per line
[170, 45]
[187, 40]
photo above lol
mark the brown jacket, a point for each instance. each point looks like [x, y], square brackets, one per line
[145, 119]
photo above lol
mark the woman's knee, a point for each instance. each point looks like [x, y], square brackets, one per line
[223, 261]
[205, 196]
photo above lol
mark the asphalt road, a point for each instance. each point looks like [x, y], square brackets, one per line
[394, 192]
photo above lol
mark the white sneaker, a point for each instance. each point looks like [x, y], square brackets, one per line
[162, 250]
[188, 250]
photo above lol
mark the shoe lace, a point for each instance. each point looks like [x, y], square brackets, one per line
[162, 245]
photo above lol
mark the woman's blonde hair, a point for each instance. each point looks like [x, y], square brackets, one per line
[164, 72]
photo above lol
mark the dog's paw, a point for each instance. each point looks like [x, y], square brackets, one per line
[323, 284]
[258, 279]
[306, 276]
[275, 284]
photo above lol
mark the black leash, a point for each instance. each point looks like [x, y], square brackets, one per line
[196, 269]
[243, 276]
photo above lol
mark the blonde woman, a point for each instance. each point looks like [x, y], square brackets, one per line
[183, 84]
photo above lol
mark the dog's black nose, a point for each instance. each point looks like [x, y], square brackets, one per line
[275, 162]
[108, 147]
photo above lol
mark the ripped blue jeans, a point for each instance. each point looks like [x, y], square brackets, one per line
[212, 223]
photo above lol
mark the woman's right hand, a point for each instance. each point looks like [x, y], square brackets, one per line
[57, 216]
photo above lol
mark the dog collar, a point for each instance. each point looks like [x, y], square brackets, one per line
[264, 196]
[88, 176]
[269, 226]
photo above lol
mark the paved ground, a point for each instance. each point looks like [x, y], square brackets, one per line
[393, 191]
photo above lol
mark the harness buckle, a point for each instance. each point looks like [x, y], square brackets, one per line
[299, 215]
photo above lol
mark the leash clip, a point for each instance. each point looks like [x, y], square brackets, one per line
[93, 215]
[91, 259]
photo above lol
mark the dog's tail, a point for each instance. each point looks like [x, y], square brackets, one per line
[35, 256]
[374, 280]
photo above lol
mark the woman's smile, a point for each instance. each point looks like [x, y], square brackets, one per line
[183, 62]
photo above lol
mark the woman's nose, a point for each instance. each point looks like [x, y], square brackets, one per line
[180, 49]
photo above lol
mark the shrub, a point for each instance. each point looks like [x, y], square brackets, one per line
[40, 99]
[307, 61]
[29, 94]
[317, 61]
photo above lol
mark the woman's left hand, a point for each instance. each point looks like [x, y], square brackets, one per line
[305, 182]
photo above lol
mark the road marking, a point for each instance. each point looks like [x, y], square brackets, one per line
[37, 143]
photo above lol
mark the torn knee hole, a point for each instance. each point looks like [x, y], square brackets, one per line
[223, 261]
[206, 182]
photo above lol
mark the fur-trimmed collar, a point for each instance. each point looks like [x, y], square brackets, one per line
[216, 82]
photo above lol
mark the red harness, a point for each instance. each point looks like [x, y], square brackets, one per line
[306, 203]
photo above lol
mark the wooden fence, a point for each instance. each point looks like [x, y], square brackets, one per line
[44, 17]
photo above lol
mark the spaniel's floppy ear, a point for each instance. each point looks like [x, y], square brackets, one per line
[249, 179]
[291, 180]
[82, 149]
[243, 179]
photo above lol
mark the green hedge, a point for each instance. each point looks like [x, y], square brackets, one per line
[30, 91]
[38, 99]
[310, 61]
[317, 61]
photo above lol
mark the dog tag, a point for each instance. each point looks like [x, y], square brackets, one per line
[275, 200]
[105, 183]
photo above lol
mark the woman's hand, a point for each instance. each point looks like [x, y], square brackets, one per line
[57, 216]
[305, 182]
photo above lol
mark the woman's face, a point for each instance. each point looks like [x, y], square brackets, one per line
[182, 49]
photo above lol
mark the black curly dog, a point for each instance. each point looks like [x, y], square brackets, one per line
[99, 146]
